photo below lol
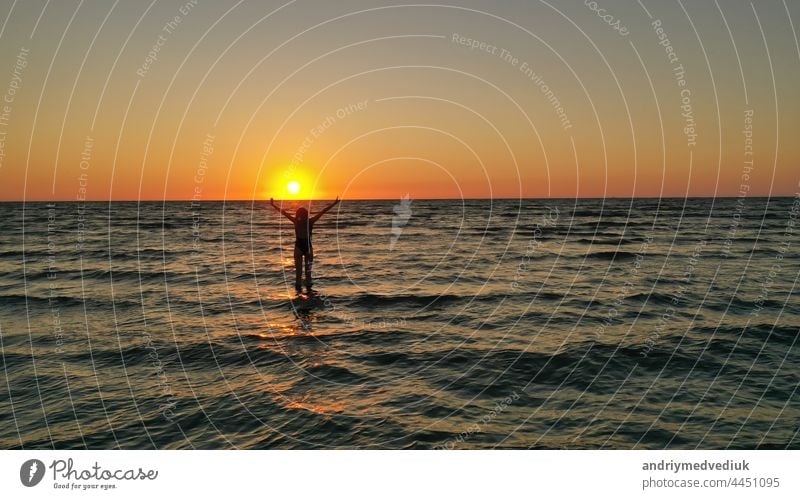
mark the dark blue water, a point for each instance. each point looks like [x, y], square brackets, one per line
[476, 324]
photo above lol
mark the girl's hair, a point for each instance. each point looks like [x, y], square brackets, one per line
[301, 213]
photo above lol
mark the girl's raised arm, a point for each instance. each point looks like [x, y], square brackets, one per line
[284, 212]
[325, 210]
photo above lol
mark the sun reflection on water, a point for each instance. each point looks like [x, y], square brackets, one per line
[325, 408]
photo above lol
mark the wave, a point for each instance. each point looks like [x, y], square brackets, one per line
[145, 276]
[607, 241]
[583, 366]
[610, 255]
[759, 333]
[57, 301]
[369, 300]
[203, 355]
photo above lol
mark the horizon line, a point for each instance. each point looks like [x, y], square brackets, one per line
[250, 200]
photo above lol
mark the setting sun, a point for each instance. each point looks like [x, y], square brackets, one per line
[292, 183]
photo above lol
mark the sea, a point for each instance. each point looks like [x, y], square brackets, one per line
[438, 324]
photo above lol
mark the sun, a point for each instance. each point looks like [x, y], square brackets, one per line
[293, 187]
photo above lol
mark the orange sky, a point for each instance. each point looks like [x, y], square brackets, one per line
[372, 100]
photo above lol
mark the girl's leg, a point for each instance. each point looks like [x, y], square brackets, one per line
[298, 268]
[309, 263]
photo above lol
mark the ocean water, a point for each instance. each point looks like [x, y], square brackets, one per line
[616, 324]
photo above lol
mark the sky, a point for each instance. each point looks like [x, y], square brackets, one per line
[193, 99]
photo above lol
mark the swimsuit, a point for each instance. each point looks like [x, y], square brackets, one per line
[304, 245]
[302, 235]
